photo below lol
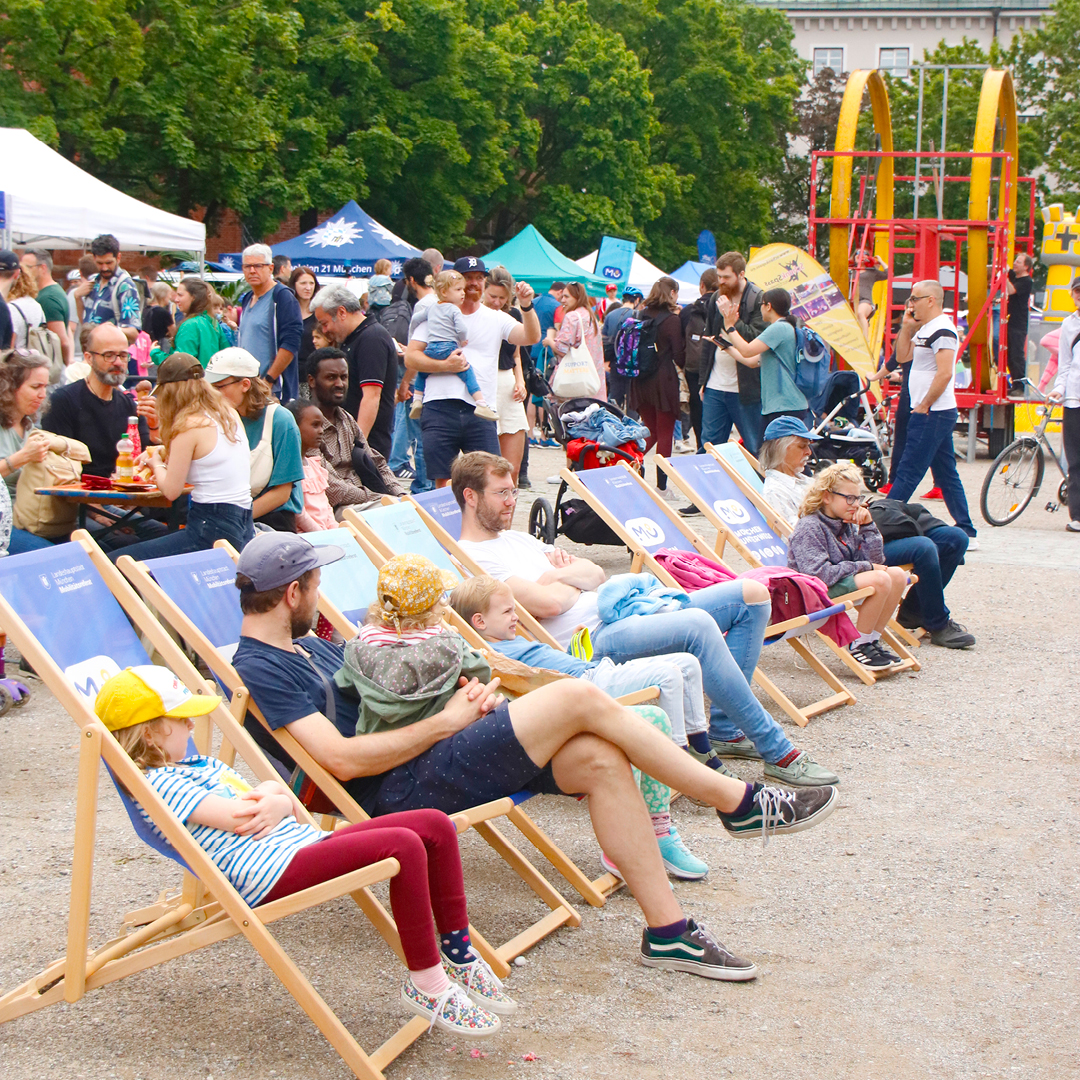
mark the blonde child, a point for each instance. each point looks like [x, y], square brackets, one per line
[317, 513]
[837, 541]
[254, 837]
[380, 286]
[222, 314]
[404, 664]
[447, 332]
[488, 606]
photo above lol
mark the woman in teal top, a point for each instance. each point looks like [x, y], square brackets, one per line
[774, 351]
[199, 334]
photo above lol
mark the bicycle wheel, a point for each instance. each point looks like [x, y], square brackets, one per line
[1012, 481]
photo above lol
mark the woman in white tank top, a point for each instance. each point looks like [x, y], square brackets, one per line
[206, 447]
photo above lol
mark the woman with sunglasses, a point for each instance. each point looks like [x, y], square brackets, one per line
[837, 541]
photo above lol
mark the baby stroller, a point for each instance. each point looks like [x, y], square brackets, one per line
[844, 407]
[574, 518]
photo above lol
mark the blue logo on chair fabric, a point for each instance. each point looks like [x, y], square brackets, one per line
[732, 511]
[88, 676]
[645, 531]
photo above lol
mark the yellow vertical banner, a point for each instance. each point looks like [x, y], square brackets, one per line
[815, 299]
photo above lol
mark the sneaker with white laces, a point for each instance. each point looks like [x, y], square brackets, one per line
[678, 860]
[802, 772]
[451, 1010]
[481, 984]
[695, 951]
[776, 810]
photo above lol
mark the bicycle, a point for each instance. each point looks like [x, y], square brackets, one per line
[1017, 473]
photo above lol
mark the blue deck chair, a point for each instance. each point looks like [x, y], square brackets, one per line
[741, 460]
[441, 505]
[184, 589]
[646, 523]
[77, 621]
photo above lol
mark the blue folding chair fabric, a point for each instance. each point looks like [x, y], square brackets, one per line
[442, 506]
[733, 454]
[350, 583]
[401, 529]
[625, 499]
[708, 478]
[203, 585]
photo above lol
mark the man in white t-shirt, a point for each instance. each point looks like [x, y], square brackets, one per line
[448, 424]
[929, 340]
[560, 591]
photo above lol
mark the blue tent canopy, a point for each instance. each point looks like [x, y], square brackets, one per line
[348, 242]
[690, 272]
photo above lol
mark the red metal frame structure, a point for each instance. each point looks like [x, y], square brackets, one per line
[922, 238]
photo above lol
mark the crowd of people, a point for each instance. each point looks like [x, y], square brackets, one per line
[309, 400]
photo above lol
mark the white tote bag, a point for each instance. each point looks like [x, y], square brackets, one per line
[576, 376]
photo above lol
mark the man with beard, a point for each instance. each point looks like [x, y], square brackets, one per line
[448, 424]
[113, 297]
[731, 392]
[343, 446]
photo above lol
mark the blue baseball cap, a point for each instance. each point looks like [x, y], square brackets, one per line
[470, 264]
[783, 426]
[273, 559]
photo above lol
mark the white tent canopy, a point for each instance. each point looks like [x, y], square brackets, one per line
[49, 202]
[643, 275]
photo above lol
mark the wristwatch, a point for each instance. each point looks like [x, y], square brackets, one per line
[522, 307]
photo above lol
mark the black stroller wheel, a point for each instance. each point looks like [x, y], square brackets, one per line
[542, 521]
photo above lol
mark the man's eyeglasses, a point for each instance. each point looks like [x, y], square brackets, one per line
[851, 500]
[507, 495]
[913, 298]
[110, 357]
[255, 266]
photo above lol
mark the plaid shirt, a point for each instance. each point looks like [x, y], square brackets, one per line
[344, 487]
[119, 293]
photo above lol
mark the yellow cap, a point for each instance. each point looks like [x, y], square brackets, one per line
[143, 693]
[412, 584]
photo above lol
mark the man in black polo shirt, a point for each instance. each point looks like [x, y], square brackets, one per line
[373, 362]
[1019, 290]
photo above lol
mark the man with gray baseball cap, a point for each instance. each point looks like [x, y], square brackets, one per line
[568, 736]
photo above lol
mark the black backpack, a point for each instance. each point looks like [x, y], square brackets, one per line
[396, 317]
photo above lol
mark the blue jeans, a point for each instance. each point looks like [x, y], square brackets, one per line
[929, 445]
[441, 350]
[23, 541]
[448, 426]
[727, 664]
[206, 523]
[406, 435]
[720, 411]
[934, 557]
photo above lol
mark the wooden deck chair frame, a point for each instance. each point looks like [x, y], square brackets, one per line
[641, 557]
[782, 527]
[480, 817]
[591, 891]
[207, 909]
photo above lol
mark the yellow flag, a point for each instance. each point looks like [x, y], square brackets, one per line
[815, 299]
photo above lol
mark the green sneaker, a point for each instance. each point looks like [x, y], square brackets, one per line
[802, 772]
[695, 951]
[775, 810]
[744, 748]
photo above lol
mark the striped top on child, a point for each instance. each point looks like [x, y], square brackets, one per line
[253, 866]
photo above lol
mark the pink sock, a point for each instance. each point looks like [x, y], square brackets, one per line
[661, 824]
[431, 981]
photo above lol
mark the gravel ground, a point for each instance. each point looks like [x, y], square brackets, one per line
[930, 928]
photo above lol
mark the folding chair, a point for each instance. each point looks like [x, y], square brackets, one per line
[745, 473]
[74, 653]
[646, 523]
[183, 589]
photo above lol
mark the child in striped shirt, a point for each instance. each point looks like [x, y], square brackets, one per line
[255, 837]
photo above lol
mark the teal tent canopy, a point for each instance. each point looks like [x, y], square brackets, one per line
[529, 257]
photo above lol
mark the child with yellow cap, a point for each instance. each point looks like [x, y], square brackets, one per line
[405, 664]
[254, 837]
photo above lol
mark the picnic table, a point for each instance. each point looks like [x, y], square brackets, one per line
[132, 500]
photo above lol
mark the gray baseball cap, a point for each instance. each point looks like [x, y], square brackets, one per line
[273, 559]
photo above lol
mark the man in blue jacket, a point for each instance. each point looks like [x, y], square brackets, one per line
[270, 323]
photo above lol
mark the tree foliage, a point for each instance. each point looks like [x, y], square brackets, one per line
[452, 123]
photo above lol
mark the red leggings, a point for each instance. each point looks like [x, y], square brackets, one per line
[661, 427]
[425, 843]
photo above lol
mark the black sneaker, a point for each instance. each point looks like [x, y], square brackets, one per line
[869, 657]
[952, 636]
[696, 951]
[907, 620]
[524, 484]
[885, 653]
[689, 511]
[406, 472]
[778, 810]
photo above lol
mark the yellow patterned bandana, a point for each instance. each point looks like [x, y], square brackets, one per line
[410, 585]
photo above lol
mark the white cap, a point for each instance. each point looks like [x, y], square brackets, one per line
[232, 363]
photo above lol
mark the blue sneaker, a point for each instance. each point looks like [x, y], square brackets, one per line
[678, 861]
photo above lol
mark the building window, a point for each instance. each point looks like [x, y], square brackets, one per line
[895, 62]
[828, 58]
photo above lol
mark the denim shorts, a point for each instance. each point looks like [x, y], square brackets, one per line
[481, 763]
[449, 426]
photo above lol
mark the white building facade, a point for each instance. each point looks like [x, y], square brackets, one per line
[849, 34]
